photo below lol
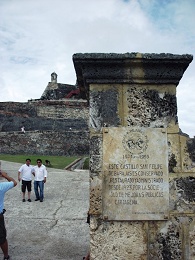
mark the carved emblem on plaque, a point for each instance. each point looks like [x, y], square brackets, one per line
[135, 142]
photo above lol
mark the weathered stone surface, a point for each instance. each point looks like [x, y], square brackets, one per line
[63, 109]
[173, 239]
[182, 198]
[103, 108]
[118, 240]
[109, 68]
[95, 153]
[45, 143]
[191, 148]
[43, 115]
[95, 196]
[56, 127]
[12, 123]
[188, 165]
[149, 106]
[174, 154]
[17, 109]
[165, 239]
[191, 232]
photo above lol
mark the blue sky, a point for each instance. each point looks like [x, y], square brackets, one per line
[38, 37]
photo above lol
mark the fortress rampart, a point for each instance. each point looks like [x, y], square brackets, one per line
[52, 127]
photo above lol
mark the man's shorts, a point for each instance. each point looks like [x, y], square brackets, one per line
[2, 230]
[26, 184]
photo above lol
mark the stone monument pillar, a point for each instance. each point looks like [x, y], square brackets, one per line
[142, 177]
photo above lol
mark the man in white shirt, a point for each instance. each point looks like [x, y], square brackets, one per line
[40, 173]
[26, 172]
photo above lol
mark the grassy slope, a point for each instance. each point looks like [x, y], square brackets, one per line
[58, 162]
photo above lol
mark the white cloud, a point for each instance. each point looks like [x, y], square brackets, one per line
[39, 37]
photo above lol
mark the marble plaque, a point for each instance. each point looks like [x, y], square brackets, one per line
[135, 172]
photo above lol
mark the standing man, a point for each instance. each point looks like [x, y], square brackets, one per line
[4, 187]
[26, 171]
[40, 173]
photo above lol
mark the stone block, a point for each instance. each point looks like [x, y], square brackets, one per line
[95, 196]
[187, 159]
[165, 239]
[118, 240]
[191, 231]
[95, 152]
[150, 106]
[104, 107]
[182, 195]
[174, 153]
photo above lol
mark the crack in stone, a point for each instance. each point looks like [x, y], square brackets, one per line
[54, 215]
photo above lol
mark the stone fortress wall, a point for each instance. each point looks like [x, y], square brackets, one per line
[54, 125]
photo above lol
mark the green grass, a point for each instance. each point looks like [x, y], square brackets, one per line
[58, 162]
[86, 164]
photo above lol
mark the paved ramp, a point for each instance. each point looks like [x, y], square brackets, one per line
[54, 229]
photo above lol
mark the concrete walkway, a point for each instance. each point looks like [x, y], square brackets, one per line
[54, 229]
